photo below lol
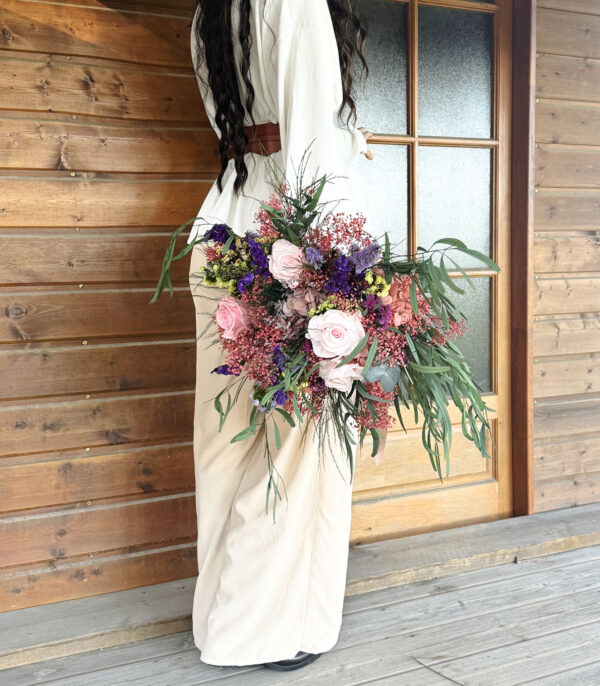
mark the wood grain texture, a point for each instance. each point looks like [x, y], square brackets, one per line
[89, 257]
[48, 371]
[565, 252]
[568, 33]
[567, 166]
[568, 78]
[566, 210]
[83, 86]
[103, 573]
[563, 376]
[567, 123]
[81, 531]
[42, 483]
[556, 295]
[104, 150]
[85, 32]
[562, 418]
[558, 460]
[122, 420]
[567, 335]
[91, 201]
[585, 6]
[84, 315]
[35, 144]
[567, 491]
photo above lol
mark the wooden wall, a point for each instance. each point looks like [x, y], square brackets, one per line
[567, 254]
[104, 150]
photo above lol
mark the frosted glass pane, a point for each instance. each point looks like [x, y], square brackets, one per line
[381, 99]
[476, 344]
[455, 73]
[455, 197]
[383, 184]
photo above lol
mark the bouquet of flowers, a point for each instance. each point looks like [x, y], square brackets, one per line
[324, 324]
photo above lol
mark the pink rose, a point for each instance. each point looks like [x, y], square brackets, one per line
[232, 317]
[335, 333]
[342, 377]
[285, 262]
[399, 300]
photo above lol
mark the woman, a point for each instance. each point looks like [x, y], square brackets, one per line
[269, 592]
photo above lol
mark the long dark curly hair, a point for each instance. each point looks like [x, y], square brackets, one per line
[214, 32]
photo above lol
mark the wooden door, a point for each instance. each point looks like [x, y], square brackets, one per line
[438, 97]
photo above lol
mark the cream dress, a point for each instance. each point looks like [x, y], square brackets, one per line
[266, 589]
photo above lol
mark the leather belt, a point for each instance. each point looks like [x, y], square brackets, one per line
[264, 140]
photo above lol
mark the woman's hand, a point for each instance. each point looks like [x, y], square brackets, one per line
[368, 135]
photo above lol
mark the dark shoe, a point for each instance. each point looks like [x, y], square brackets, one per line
[300, 660]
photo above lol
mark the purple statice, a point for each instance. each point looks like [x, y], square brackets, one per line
[366, 258]
[279, 357]
[313, 257]
[224, 370]
[219, 233]
[372, 302]
[245, 282]
[384, 316]
[280, 397]
[338, 282]
[260, 262]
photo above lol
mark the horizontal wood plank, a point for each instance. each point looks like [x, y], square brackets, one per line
[90, 369]
[568, 33]
[83, 86]
[123, 421]
[87, 31]
[567, 123]
[573, 375]
[185, 8]
[566, 335]
[568, 78]
[82, 202]
[35, 144]
[405, 465]
[567, 167]
[566, 253]
[566, 210]
[27, 485]
[104, 573]
[566, 295]
[394, 516]
[564, 418]
[567, 458]
[567, 491]
[81, 315]
[96, 528]
[89, 257]
[585, 6]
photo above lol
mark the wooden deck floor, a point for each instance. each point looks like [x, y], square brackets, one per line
[533, 622]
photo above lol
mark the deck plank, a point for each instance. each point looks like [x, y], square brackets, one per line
[420, 634]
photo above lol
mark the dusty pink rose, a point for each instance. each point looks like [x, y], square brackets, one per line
[301, 302]
[340, 378]
[232, 317]
[399, 301]
[285, 262]
[335, 333]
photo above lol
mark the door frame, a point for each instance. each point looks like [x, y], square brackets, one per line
[521, 255]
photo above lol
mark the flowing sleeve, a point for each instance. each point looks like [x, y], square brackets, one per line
[309, 94]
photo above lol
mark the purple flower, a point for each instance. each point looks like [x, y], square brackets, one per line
[279, 357]
[313, 257]
[372, 302]
[384, 316]
[258, 255]
[219, 233]
[280, 397]
[366, 258]
[224, 370]
[245, 282]
[338, 282]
